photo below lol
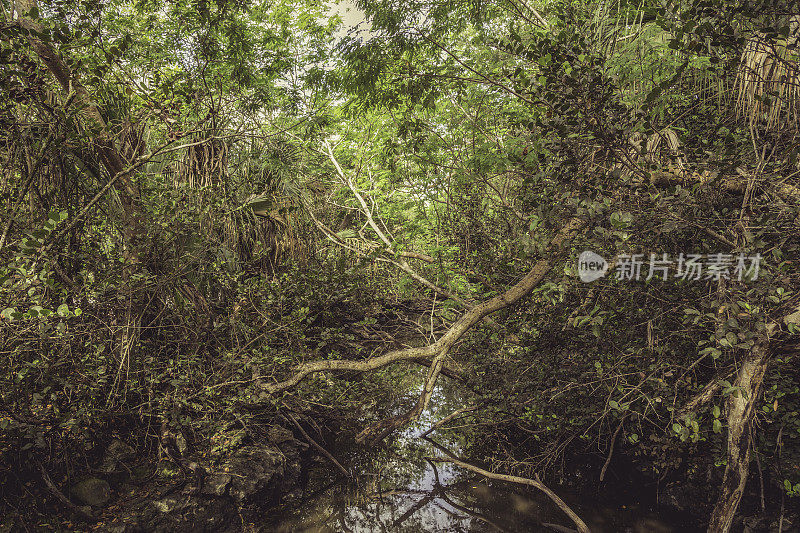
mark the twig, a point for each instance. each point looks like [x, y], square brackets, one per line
[448, 418]
[319, 448]
[611, 447]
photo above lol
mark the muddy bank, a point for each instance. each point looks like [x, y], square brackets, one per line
[184, 491]
[279, 483]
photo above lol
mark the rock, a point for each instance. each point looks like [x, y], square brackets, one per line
[166, 505]
[180, 443]
[279, 435]
[93, 491]
[251, 469]
[119, 450]
[182, 514]
[253, 478]
[116, 453]
[217, 484]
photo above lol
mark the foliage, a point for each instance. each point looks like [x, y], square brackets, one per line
[468, 133]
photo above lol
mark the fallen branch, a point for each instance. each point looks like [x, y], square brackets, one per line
[557, 250]
[385, 427]
[402, 264]
[397, 260]
[536, 483]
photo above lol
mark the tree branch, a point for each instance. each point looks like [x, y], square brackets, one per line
[557, 250]
[536, 483]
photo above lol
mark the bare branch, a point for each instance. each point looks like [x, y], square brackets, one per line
[536, 483]
[471, 317]
[448, 418]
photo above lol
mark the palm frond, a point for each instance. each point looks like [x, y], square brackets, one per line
[768, 81]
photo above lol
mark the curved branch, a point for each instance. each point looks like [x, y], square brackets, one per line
[398, 259]
[557, 250]
[385, 427]
[536, 483]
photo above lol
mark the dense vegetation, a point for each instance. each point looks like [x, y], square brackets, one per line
[217, 214]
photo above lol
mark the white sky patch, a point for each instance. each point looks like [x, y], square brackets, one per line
[354, 21]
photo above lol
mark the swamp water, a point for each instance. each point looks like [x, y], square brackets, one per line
[398, 490]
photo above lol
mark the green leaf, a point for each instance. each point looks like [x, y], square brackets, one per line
[346, 234]
[717, 425]
[63, 310]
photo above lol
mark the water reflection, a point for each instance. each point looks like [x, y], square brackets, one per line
[398, 490]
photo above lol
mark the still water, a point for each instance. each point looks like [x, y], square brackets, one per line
[398, 490]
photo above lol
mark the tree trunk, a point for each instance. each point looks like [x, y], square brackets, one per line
[104, 146]
[133, 221]
[741, 407]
